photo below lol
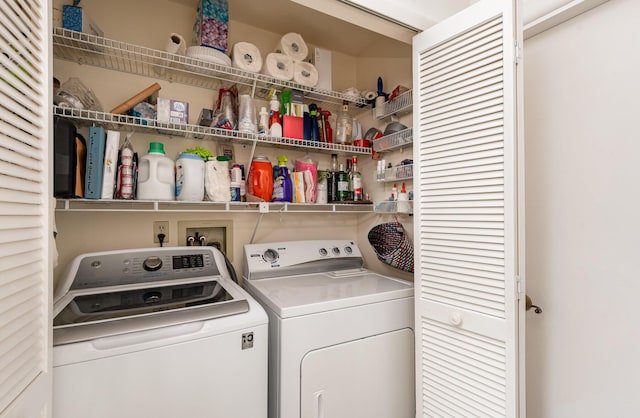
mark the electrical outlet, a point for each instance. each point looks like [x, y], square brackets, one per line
[161, 227]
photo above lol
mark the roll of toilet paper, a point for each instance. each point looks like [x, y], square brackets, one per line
[294, 46]
[279, 66]
[305, 73]
[176, 44]
[246, 56]
[369, 95]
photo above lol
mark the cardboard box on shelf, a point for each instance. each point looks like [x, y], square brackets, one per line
[321, 58]
[292, 127]
[75, 18]
[172, 111]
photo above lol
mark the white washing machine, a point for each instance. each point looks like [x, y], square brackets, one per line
[158, 332]
[341, 341]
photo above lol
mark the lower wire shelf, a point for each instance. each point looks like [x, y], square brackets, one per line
[116, 205]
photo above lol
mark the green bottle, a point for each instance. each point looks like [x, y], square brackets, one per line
[343, 185]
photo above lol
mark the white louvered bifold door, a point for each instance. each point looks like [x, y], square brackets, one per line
[24, 204]
[467, 225]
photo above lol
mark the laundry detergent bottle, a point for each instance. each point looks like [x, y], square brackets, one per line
[156, 175]
[282, 185]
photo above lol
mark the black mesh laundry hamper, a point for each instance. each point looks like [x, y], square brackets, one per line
[392, 245]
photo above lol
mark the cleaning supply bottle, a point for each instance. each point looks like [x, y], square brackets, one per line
[403, 205]
[275, 124]
[326, 126]
[263, 124]
[260, 178]
[282, 185]
[156, 175]
[126, 170]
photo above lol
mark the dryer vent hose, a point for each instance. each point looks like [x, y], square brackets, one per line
[232, 271]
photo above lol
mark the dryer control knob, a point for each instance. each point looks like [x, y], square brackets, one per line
[270, 255]
[336, 250]
[323, 252]
[152, 263]
[348, 249]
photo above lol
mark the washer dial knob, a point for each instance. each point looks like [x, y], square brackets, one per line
[323, 252]
[270, 255]
[152, 263]
[336, 250]
[348, 249]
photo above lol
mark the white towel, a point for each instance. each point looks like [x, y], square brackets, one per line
[305, 73]
[246, 56]
[279, 66]
[293, 45]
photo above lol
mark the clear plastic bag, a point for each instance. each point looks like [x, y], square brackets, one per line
[73, 93]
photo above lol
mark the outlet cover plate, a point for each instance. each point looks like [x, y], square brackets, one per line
[160, 227]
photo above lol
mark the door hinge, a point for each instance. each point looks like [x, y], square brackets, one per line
[519, 288]
[518, 54]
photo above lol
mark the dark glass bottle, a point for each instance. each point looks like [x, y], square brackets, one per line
[343, 185]
[332, 189]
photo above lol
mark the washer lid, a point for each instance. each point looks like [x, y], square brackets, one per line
[310, 293]
[83, 315]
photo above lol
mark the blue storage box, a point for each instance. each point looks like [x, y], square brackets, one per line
[75, 18]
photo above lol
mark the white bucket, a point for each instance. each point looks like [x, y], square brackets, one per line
[156, 175]
[189, 177]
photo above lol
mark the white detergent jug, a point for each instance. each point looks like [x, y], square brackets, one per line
[156, 175]
[189, 177]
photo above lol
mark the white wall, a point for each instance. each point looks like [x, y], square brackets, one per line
[583, 232]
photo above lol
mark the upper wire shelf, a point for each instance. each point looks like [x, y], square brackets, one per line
[392, 141]
[152, 126]
[401, 105]
[110, 54]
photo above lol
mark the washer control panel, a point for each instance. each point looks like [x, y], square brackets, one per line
[289, 257]
[135, 266]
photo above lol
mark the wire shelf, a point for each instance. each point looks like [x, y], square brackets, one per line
[106, 205]
[395, 140]
[397, 173]
[84, 48]
[394, 207]
[399, 106]
[152, 126]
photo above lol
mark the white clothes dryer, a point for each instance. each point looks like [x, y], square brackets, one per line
[341, 340]
[157, 332]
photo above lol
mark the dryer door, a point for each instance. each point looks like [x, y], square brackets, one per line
[371, 377]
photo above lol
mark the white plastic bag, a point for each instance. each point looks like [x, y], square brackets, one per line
[217, 183]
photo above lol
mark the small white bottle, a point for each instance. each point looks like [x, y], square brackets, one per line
[263, 124]
[275, 127]
[403, 205]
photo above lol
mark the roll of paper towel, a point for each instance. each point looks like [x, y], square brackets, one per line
[176, 44]
[305, 73]
[279, 66]
[294, 46]
[246, 56]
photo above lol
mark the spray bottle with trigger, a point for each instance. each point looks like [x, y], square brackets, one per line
[326, 126]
